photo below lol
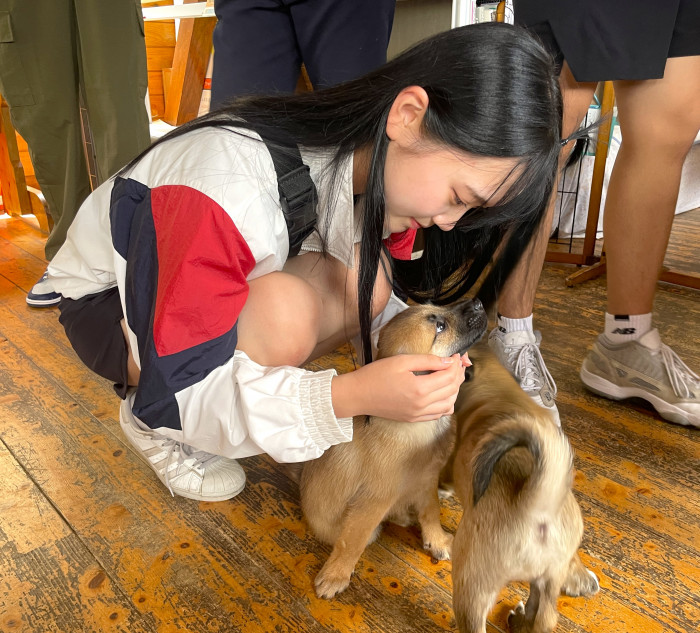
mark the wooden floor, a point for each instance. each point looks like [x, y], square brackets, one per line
[91, 541]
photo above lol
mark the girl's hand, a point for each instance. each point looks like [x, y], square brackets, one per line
[389, 388]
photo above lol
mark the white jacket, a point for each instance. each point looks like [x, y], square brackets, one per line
[181, 235]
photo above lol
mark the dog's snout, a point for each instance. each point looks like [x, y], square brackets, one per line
[478, 306]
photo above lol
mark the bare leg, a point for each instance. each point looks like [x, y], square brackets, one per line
[518, 296]
[336, 287]
[659, 120]
[133, 371]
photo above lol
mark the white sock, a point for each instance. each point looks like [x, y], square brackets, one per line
[507, 325]
[622, 328]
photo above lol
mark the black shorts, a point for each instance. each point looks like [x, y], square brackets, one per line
[92, 324]
[609, 40]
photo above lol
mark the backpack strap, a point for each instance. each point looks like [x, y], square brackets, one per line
[298, 195]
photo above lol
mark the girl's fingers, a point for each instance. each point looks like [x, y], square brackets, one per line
[434, 414]
[451, 375]
[429, 362]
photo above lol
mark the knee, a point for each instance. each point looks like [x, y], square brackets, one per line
[280, 322]
[661, 140]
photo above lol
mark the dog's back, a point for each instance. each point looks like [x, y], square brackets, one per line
[513, 474]
[509, 448]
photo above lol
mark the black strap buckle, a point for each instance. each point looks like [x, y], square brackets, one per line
[298, 198]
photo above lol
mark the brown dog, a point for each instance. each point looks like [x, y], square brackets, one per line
[390, 469]
[513, 472]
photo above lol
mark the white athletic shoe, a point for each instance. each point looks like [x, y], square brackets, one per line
[42, 294]
[644, 368]
[184, 470]
[519, 353]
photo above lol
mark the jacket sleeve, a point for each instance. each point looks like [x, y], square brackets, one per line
[243, 409]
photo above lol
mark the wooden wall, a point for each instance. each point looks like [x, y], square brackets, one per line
[160, 49]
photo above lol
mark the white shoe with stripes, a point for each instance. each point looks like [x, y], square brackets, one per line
[184, 470]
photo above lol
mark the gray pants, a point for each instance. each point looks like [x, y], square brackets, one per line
[48, 48]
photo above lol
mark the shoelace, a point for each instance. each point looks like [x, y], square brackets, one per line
[200, 459]
[530, 368]
[679, 374]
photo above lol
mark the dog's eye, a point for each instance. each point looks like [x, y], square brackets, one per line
[440, 326]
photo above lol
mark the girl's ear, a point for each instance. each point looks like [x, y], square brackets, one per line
[406, 115]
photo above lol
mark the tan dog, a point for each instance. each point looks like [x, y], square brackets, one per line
[390, 469]
[513, 472]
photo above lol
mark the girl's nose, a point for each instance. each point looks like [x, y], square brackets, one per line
[447, 221]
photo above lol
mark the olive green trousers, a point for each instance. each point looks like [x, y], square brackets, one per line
[48, 50]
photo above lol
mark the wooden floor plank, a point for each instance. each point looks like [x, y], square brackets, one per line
[25, 235]
[20, 267]
[54, 353]
[169, 564]
[49, 580]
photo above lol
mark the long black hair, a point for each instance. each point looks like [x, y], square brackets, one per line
[493, 91]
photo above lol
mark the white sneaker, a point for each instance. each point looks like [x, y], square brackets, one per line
[184, 470]
[42, 294]
[644, 368]
[519, 353]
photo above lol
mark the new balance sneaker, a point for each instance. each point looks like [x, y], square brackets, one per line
[184, 470]
[648, 369]
[519, 352]
[42, 294]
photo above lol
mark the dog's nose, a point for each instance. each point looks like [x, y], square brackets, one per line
[477, 305]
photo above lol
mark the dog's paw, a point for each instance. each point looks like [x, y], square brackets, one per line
[516, 619]
[440, 547]
[330, 583]
[583, 583]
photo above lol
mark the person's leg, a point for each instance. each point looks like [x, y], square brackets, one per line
[255, 50]
[659, 119]
[113, 63]
[96, 330]
[340, 41]
[38, 79]
[518, 297]
[514, 340]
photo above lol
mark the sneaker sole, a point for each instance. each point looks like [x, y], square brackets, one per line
[610, 390]
[184, 493]
[197, 497]
[45, 303]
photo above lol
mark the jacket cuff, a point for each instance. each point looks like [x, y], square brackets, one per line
[323, 427]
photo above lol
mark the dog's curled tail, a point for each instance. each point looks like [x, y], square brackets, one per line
[549, 479]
